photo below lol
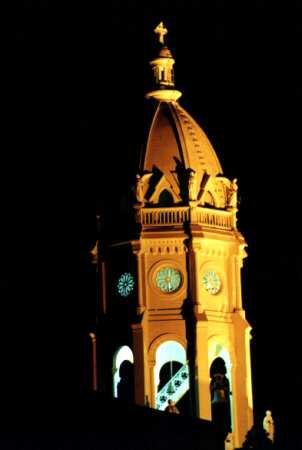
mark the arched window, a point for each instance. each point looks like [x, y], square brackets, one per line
[125, 387]
[123, 373]
[165, 198]
[220, 395]
[171, 373]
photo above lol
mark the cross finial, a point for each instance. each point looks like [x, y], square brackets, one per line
[161, 31]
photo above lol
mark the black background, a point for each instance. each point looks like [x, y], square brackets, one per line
[75, 74]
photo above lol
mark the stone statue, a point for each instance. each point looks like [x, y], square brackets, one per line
[192, 186]
[220, 402]
[229, 442]
[268, 425]
[172, 407]
[219, 388]
[139, 189]
[232, 197]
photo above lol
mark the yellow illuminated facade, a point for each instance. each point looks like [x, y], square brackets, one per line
[177, 285]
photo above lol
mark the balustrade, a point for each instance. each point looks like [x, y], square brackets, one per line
[220, 219]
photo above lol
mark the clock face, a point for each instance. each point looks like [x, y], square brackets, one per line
[211, 282]
[125, 284]
[168, 279]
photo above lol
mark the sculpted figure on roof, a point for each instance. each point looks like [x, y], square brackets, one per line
[232, 197]
[192, 186]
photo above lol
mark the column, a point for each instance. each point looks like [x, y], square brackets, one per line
[140, 258]
[152, 387]
[94, 362]
[140, 372]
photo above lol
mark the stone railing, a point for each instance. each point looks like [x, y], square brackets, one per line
[174, 389]
[219, 219]
[164, 216]
[215, 218]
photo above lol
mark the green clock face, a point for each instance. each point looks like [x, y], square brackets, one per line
[168, 279]
[211, 282]
[125, 284]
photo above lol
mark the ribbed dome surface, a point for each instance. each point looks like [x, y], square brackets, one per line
[174, 138]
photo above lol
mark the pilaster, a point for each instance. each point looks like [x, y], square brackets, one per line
[140, 258]
[152, 387]
[141, 375]
[202, 378]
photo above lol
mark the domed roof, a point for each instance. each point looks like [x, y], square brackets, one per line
[176, 139]
[165, 52]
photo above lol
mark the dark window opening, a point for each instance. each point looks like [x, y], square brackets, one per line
[165, 198]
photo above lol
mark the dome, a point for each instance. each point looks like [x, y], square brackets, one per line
[165, 52]
[176, 140]
[178, 151]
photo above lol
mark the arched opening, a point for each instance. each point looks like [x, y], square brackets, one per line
[123, 374]
[171, 373]
[220, 395]
[165, 198]
[125, 387]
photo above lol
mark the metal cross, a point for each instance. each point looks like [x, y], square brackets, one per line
[161, 31]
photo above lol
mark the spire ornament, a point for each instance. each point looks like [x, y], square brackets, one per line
[163, 71]
[161, 31]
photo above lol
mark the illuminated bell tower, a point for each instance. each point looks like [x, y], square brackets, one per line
[186, 268]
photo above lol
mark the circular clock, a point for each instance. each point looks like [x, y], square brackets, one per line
[211, 282]
[125, 284]
[168, 279]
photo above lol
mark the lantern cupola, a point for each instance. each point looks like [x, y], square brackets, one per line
[163, 71]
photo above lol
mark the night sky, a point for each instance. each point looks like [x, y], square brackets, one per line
[74, 108]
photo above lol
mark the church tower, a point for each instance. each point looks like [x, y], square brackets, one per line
[172, 325]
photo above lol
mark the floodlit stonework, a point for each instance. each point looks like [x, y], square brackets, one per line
[186, 265]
